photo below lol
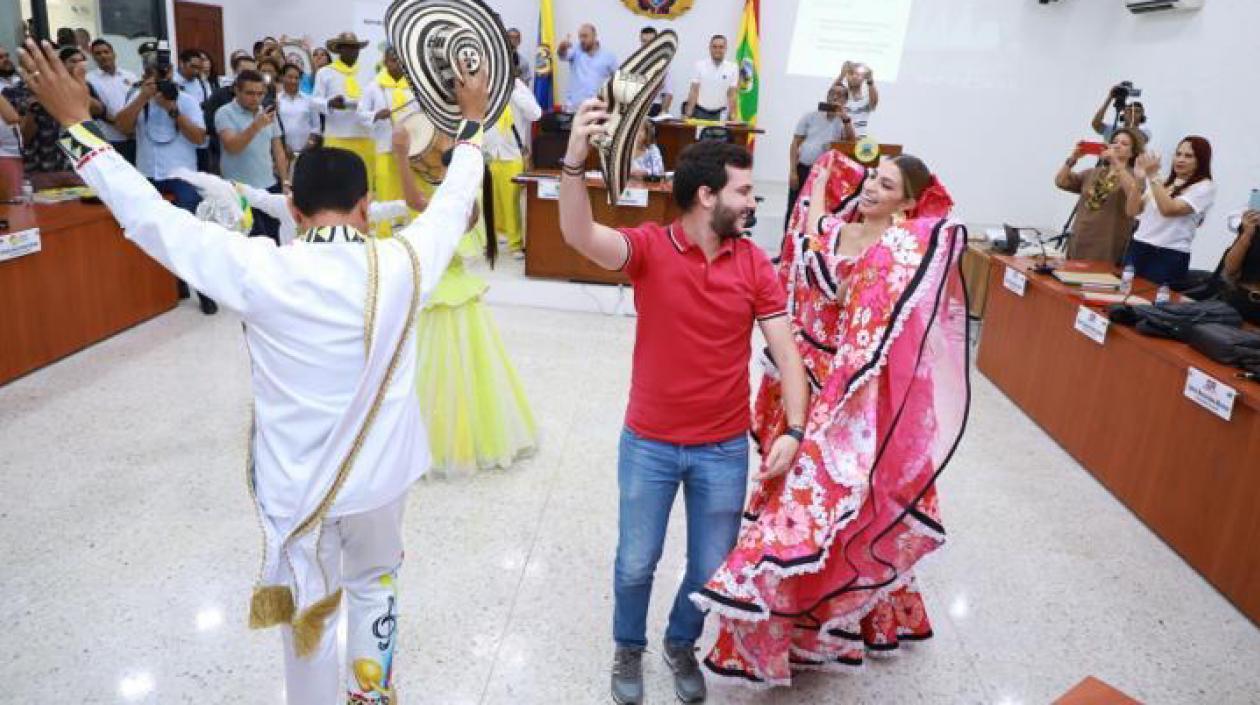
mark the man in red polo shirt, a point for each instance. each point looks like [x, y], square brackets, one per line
[699, 286]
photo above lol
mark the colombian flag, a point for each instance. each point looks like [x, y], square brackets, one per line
[545, 58]
[748, 56]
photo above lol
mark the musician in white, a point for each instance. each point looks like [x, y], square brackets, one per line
[337, 95]
[337, 433]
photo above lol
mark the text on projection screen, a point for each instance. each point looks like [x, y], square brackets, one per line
[830, 32]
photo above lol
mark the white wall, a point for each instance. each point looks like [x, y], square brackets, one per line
[992, 93]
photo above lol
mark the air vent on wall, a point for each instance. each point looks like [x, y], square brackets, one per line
[1141, 7]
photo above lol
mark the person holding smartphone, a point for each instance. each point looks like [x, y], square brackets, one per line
[1111, 197]
[815, 132]
[253, 146]
[1240, 268]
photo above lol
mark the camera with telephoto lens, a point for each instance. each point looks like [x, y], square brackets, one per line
[157, 61]
[1122, 92]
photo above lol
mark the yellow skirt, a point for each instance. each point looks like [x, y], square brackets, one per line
[472, 400]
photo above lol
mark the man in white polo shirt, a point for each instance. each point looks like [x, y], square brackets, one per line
[714, 85]
[113, 85]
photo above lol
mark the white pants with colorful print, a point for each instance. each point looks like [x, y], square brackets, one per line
[362, 553]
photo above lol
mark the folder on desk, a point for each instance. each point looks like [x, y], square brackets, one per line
[1089, 280]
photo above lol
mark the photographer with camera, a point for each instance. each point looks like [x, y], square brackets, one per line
[167, 126]
[1129, 113]
[815, 132]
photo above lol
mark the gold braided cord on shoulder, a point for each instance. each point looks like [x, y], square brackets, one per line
[343, 472]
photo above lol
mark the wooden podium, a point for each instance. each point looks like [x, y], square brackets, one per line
[547, 256]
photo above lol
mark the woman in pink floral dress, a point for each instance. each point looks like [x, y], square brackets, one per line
[823, 569]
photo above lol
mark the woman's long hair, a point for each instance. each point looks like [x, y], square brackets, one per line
[1203, 164]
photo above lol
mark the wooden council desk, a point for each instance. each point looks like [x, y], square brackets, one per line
[85, 284]
[1119, 409]
[547, 256]
[673, 136]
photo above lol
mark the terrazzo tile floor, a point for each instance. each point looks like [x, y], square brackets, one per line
[128, 546]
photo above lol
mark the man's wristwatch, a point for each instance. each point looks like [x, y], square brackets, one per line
[795, 432]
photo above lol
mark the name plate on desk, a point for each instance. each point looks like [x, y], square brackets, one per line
[18, 244]
[636, 197]
[1015, 281]
[549, 189]
[1091, 324]
[1211, 395]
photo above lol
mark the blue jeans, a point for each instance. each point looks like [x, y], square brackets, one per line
[713, 477]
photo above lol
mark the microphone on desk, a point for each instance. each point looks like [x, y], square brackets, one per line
[1042, 266]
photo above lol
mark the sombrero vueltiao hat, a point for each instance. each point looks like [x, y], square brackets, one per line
[628, 95]
[344, 39]
[433, 36]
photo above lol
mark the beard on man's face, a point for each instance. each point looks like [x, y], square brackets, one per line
[728, 222]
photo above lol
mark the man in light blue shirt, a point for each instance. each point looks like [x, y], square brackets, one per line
[590, 65]
[167, 125]
[253, 146]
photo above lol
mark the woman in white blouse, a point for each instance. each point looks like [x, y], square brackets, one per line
[299, 120]
[1172, 212]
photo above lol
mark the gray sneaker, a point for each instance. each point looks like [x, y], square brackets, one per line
[688, 680]
[627, 676]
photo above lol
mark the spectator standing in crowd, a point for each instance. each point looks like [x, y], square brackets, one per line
[190, 78]
[815, 132]
[337, 95]
[665, 96]
[296, 112]
[269, 67]
[524, 66]
[385, 97]
[210, 72]
[113, 85]
[221, 96]
[43, 160]
[319, 59]
[1111, 198]
[253, 151]
[505, 159]
[714, 85]
[168, 127]
[1173, 211]
[590, 65]
[863, 97]
[83, 39]
[1133, 115]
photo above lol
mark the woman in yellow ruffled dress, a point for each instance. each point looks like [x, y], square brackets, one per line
[473, 403]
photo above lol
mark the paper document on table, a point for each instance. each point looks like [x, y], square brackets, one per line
[1103, 297]
[1094, 279]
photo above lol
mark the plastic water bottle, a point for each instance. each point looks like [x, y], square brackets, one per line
[1164, 295]
[1126, 280]
[28, 192]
